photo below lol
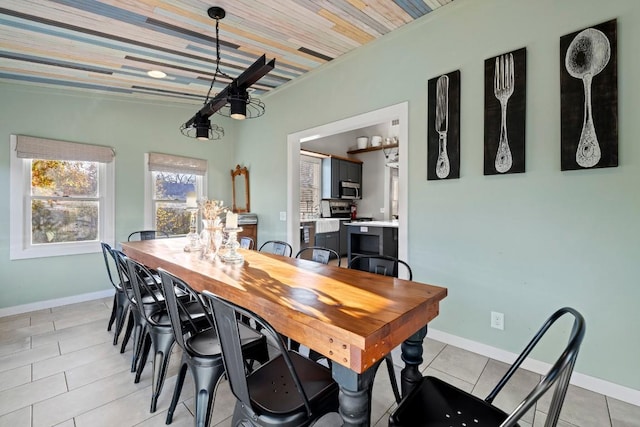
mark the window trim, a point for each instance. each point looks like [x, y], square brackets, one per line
[20, 185]
[149, 213]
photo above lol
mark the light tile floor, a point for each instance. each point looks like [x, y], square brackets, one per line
[58, 367]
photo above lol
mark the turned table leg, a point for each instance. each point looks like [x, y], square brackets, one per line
[412, 356]
[355, 395]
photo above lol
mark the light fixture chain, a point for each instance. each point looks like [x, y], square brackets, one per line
[217, 70]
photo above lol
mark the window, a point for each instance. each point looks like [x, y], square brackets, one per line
[61, 197]
[168, 180]
[310, 190]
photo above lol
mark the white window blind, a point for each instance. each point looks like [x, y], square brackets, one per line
[159, 162]
[29, 147]
[309, 184]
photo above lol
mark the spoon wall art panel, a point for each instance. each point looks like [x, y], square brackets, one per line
[589, 98]
[443, 123]
[505, 96]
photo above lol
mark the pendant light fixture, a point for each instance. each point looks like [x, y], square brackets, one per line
[233, 101]
[202, 129]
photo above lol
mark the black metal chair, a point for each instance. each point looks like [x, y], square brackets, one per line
[246, 242]
[201, 347]
[147, 235]
[434, 403]
[276, 247]
[380, 264]
[136, 324]
[386, 266]
[318, 254]
[120, 300]
[157, 332]
[288, 390]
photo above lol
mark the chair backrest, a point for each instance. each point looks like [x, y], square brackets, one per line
[147, 235]
[111, 263]
[123, 273]
[181, 318]
[276, 247]
[246, 243]
[318, 254]
[144, 286]
[559, 374]
[380, 264]
[226, 314]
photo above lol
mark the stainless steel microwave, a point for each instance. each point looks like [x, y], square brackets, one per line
[349, 190]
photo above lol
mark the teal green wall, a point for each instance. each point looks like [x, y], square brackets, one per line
[521, 244]
[132, 128]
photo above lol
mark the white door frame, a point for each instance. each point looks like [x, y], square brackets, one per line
[383, 115]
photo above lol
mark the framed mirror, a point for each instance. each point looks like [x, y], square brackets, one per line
[240, 189]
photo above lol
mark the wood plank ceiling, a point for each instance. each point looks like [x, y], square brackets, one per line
[110, 45]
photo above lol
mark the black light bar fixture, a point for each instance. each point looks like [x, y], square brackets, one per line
[234, 100]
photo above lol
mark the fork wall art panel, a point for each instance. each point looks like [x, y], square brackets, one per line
[505, 82]
[589, 98]
[443, 123]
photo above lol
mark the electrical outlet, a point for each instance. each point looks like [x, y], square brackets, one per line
[497, 320]
[283, 216]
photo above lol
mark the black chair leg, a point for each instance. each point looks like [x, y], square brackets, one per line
[392, 377]
[162, 345]
[114, 309]
[293, 345]
[176, 391]
[127, 333]
[205, 382]
[138, 340]
[122, 310]
[142, 360]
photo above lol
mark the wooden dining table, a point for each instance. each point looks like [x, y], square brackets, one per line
[352, 317]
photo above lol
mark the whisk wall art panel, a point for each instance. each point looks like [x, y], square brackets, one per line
[505, 97]
[443, 123]
[589, 98]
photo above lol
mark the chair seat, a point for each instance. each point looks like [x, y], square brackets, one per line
[194, 310]
[447, 406]
[273, 390]
[206, 344]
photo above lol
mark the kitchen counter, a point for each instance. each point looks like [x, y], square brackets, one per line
[323, 225]
[393, 224]
[372, 238]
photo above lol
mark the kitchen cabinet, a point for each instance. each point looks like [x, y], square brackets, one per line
[350, 171]
[336, 169]
[329, 240]
[372, 240]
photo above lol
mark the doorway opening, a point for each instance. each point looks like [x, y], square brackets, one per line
[399, 112]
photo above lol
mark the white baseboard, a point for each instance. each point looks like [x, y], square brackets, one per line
[587, 382]
[41, 305]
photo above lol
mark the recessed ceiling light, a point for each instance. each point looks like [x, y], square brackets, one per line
[157, 74]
